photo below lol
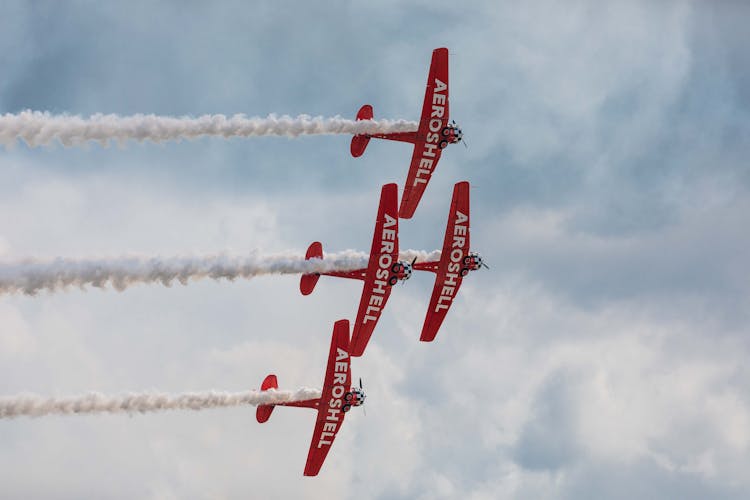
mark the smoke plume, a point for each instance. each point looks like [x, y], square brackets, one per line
[37, 128]
[38, 406]
[32, 276]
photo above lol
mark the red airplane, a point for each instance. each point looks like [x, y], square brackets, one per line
[455, 262]
[337, 397]
[383, 270]
[435, 132]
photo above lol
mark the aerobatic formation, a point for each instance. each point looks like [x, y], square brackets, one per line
[383, 268]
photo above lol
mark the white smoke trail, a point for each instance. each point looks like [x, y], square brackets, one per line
[37, 128]
[37, 406]
[32, 276]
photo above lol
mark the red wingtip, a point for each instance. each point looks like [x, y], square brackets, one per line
[358, 344]
[461, 187]
[389, 187]
[406, 210]
[341, 330]
[428, 333]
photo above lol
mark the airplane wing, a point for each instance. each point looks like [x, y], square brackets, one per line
[383, 255]
[452, 267]
[435, 116]
[337, 382]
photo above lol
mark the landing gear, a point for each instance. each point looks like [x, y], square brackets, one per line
[348, 396]
[346, 408]
[467, 259]
[445, 131]
[443, 144]
[396, 267]
[464, 271]
[393, 280]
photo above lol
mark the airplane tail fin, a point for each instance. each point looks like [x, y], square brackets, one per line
[308, 281]
[359, 142]
[263, 412]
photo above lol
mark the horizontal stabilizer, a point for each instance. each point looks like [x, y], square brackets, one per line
[263, 412]
[308, 281]
[359, 142]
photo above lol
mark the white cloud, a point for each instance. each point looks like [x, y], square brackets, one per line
[604, 355]
[15, 338]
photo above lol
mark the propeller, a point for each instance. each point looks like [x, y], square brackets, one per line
[364, 410]
[485, 265]
[403, 282]
[455, 125]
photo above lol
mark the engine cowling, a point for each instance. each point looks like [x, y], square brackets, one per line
[358, 396]
[473, 261]
[452, 133]
[402, 270]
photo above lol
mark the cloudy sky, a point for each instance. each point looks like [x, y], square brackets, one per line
[606, 354]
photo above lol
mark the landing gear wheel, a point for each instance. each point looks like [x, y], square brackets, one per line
[346, 408]
[348, 396]
[464, 271]
[442, 144]
[396, 267]
[445, 131]
[393, 280]
[467, 259]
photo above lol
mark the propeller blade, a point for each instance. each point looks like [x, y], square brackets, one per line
[414, 261]
[364, 409]
[465, 145]
[485, 265]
